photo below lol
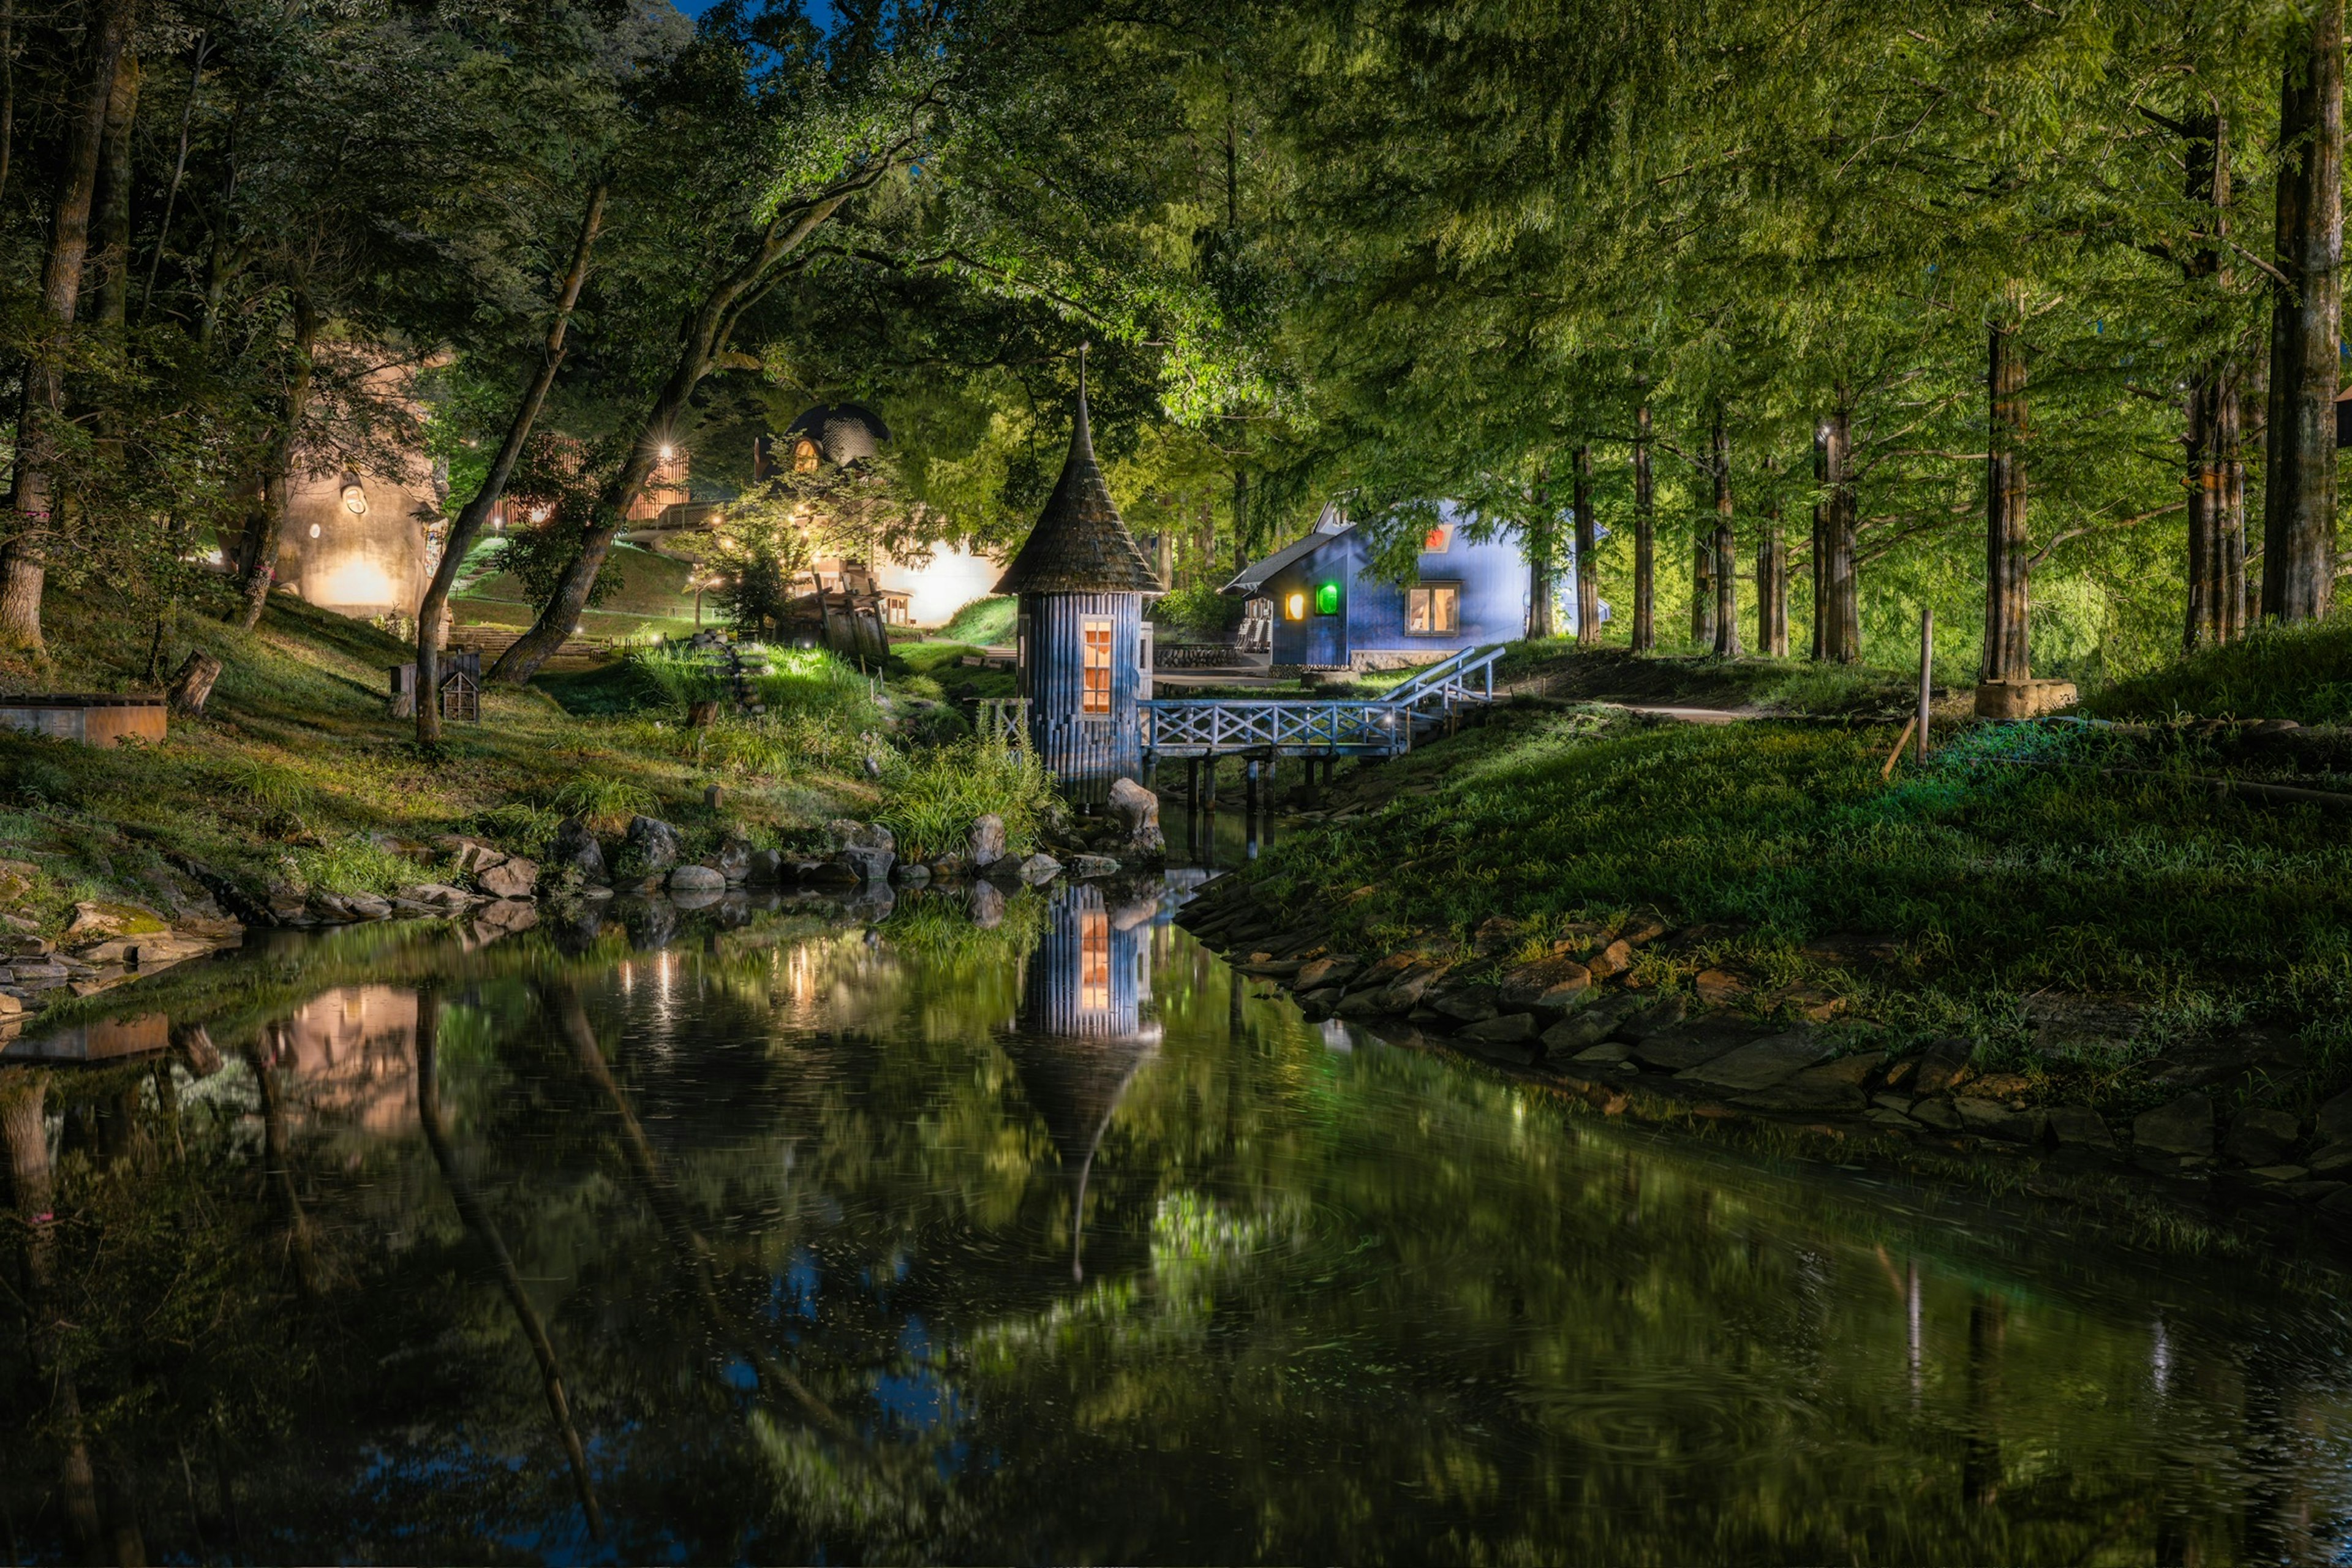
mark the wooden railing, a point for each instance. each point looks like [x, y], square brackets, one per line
[1212, 726]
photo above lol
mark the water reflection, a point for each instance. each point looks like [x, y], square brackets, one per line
[1019, 1228]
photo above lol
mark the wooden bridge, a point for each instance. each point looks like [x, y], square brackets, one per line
[1268, 727]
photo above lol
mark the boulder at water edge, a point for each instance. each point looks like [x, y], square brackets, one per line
[577, 848]
[1137, 811]
[985, 847]
[764, 868]
[697, 880]
[653, 847]
[733, 860]
[510, 878]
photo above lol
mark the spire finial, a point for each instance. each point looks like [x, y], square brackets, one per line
[1085, 425]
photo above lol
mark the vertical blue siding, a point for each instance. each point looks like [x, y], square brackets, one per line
[1492, 578]
[1079, 748]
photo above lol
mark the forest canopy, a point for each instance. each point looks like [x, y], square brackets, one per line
[1790, 325]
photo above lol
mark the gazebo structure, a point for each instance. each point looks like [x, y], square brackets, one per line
[1081, 1032]
[1084, 648]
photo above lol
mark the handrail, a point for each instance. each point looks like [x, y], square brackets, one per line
[1449, 672]
[1390, 723]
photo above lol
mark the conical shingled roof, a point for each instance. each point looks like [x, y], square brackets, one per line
[1080, 544]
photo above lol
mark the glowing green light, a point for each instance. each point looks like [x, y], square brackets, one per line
[1326, 599]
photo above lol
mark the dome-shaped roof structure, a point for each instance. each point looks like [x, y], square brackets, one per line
[845, 433]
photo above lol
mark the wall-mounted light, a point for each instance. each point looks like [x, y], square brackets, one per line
[314, 531]
[1326, 599]
[355, 498]
[668, 453]
[1295, 607]
[539, 515]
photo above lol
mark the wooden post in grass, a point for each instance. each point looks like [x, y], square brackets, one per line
[1927, 673]
[193, 685]
[1886, 768]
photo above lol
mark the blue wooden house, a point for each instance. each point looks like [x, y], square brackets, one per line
[1328, 610]
[1084, 649]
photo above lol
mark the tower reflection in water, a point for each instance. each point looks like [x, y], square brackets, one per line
[1080, 1035]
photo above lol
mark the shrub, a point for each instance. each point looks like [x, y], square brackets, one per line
[931, 798]
[984, 623]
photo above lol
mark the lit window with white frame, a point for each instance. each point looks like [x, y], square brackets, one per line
[1433, 610]
[1095, 692]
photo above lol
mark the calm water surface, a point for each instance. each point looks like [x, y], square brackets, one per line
[809, 1241]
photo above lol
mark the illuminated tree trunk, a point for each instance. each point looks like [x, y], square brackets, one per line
[1837, 601]
[1772, 583]
[1726, 547]
[1588, 582]
[1542, 533]
[1645, 539]
[2216, 472]
[2007, 654]
[2299, 495]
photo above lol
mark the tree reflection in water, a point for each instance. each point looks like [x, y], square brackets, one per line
[768, 1245]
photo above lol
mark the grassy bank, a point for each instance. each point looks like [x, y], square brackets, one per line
[2020, 875]
[296, 775]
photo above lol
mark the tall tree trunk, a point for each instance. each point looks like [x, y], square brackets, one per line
[1772, 583]
[1701, 611]
[1542, 542]
[8, 87]
[1587, 571]
[1818, 557]
[110, 216]
[267, 526]
[703, 333]
[33, 499]
[1645, 539]
[2007, 653]
[2210, 436]
[1841, 625]
[477, 511]
[2242, 397]
[2299, 498]
[1727, 546]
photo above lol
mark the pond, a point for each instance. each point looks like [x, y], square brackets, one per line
[796, 1239]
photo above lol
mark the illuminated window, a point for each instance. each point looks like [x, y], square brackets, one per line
[804, 456]
[1433, 610]
[1438, 540]
[1294, 608]
[1095, 693]
[1326, 599]
[1094, 961]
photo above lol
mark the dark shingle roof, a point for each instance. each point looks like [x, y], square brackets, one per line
[1080, 544]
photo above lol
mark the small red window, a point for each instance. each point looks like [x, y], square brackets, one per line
[1438, 538]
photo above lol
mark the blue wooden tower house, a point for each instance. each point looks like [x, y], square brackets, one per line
[1085, 649]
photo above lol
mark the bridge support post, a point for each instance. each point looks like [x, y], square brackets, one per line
[1249, 797]
[1209, 782]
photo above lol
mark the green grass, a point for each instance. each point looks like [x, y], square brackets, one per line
[931, 798]
[982, 623]
[2304, 673]
[297, 772]
[2007, 867]
[1558, 667]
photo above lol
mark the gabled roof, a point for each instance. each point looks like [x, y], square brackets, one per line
[1251, 578]
[1080, 544]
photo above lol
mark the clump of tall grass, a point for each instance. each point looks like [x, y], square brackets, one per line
[684, 675]
[814, 682]
[522, 824]
[606, 803]
[356, 865]
[930, 798]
